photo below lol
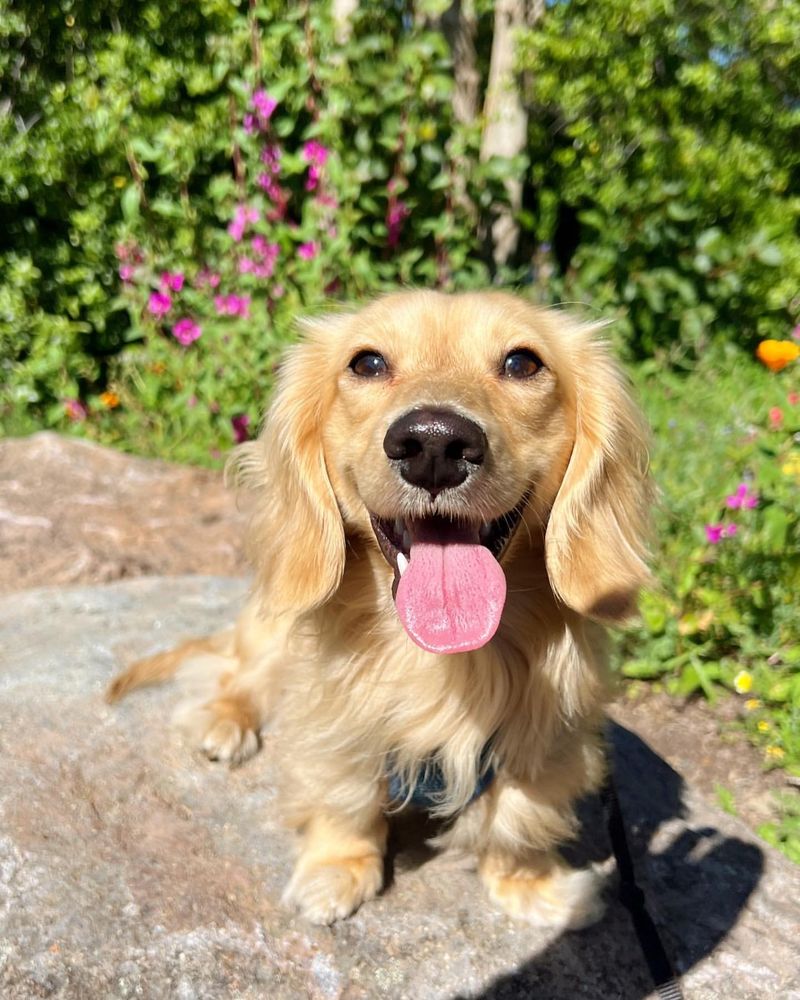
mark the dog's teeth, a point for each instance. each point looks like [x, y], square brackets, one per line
[402, 563]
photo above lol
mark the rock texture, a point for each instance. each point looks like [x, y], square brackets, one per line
[72, 511]
[130, 868]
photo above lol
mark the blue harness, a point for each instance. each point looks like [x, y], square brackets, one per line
[429, 784]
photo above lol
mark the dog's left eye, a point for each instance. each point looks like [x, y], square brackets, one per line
[521, 364]
[368, 364]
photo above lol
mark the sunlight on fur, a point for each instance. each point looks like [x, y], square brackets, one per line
[410, 448]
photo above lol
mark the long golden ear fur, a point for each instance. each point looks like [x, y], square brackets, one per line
[598, 531]
[296, 533]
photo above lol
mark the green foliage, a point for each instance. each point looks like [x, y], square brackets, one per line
[785, 832]
[664, 141]
[726, 452]
[132, 147]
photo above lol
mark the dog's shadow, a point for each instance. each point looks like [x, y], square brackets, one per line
[696, 882]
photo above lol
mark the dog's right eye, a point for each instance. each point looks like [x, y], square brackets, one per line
[369, 364]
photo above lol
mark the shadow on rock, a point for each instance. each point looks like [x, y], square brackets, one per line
[696, 882]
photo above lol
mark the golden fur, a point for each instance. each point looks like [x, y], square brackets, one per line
[320, 649]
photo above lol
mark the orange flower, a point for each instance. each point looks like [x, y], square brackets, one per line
[109, 399]
[777, 354]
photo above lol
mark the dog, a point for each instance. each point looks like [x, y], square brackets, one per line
[451, 500]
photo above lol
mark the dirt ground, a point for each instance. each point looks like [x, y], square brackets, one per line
[73, 512]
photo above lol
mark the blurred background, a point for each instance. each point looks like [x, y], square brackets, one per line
[178, 181]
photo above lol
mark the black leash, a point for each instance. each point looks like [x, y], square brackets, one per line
[632, 898]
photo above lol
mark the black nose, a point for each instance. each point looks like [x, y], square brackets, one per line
[435, 449]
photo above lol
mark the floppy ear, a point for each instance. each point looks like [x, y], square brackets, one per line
[597, 534]
[296, 533]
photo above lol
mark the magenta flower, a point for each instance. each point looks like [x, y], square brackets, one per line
[308, 251]
[271, 158]
[159, 303]
[716, 532]
[264, 105]
[240, 424]
[126, 272]
[207, 279]
[75, 409]
[742, 499]
[396, 214]
[316, 155]
[186, 331]
[776, 418]
[172, 281]
[232, 305]
[314, 152]
[241, 217]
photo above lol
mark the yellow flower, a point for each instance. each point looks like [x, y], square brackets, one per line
[427, 130]
[119, 181]
[791, 467]
[763, 726]
[752, 704]
[777, 753]
[743, 682]
[777, 354]
[109, 399]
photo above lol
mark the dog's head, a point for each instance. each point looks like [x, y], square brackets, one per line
[433, 426]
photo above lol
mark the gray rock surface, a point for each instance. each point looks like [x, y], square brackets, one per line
[131, 868]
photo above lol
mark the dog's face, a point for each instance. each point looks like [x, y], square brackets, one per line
[434, 426]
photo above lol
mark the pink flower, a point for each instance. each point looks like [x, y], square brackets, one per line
[314, 152]
[716, 532]
[308, 251]
[172, 281]
[241, 217]
[207, 279]
[159, 303]
[191, 402]
[796, 332]
[75, 409]
[776, 418]
[271, 158]
[742, 498]
[232, 305]
[186, 331]
[793, 398]
[264, 105]
[396, 214]
[240, 424]
[126, 272]
[249, 123]
[245, 265]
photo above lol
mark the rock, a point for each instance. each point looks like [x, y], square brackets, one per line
[131, 868]
[72, 511]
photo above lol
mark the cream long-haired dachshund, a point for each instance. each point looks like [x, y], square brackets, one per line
[451, 493]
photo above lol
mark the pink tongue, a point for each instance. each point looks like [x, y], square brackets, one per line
[451, 596]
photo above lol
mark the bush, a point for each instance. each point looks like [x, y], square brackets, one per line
[663, 144]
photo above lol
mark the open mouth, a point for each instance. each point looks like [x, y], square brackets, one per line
[449, 588]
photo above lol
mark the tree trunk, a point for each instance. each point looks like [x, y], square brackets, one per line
[343, 11]
[458, 25]
[506, 120]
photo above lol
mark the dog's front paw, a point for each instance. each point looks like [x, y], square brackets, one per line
[326, 891]
[224, 730]
[548, 894]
